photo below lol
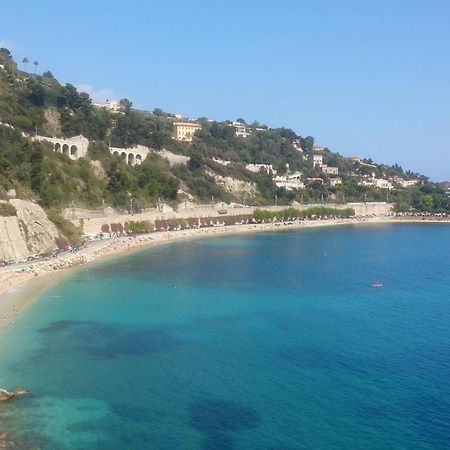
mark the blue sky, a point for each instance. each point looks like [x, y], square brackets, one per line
[368, 78]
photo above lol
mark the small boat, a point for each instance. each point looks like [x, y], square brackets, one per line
[377, 284]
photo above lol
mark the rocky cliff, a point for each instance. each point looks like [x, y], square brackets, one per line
[27, 233]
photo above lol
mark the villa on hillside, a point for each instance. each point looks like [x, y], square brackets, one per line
[290, 182]
[329, 170]
[258, 167]
[184, 131]
[111, 105]
[380, 183]
[240, 129]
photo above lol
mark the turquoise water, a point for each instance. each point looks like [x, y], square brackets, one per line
[265, 341]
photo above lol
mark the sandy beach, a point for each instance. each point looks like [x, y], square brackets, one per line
[20, 284]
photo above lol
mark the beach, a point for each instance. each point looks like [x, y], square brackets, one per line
[20, 284]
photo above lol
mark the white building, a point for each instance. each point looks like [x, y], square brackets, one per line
[111, 105]
[329, 169]
[296, 143]
[402, 182]
[335, 181]
[240, 129]
[290, 182]
[379, 183]
[317, 160]
[258, 167]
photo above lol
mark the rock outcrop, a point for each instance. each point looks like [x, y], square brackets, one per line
[8, 395]
[27, 233]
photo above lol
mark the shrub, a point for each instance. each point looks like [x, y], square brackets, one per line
[7, 210]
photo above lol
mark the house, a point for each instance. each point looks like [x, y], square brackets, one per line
[335, 181]
[290, 182]
[313, 180]
[184, 131]
[111, 105]
[240, 129]
[258, 167]
[380, 183]
[316, 160]
[329, 170]
[296, 143]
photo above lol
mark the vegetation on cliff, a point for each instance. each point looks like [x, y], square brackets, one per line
[40, 103]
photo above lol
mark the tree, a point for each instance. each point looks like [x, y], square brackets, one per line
[159, 112]
[126, 105]
[196, 160]
[25, 62]
[36, 158]
[36, 63]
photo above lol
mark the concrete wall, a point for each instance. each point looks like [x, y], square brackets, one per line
[94, 224]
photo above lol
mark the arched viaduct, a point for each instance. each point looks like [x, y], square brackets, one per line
[75, 147]
[132, 155]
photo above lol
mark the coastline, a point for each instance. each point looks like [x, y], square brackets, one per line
[19, 285]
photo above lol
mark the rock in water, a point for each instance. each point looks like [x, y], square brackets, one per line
[8, 395]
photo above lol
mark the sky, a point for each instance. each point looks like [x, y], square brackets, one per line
[365, 78]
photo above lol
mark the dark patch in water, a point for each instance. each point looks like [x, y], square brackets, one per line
[431, 418]
[108, 340]
[218, 441]
[219, 415]
[217, 418]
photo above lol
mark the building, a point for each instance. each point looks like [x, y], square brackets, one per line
[240, 129]
[111, 105]
[317, 160]
[335, 181]
[313, 180]
[290, 182]
[380, 183]
[258, 167]
[329, 170]
[296, 143]
[184, 131]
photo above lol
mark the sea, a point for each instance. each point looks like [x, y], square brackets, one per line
[274, 340]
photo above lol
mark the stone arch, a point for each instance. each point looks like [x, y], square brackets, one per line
[123, 155]
[116, 153]
[74, 151]
[58, 148]
[65, 149]
[131, 159]
[138, 159]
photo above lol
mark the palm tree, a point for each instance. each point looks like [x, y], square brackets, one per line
[25, 61]
[36, 63]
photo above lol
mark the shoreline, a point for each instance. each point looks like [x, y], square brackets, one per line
[19, 285]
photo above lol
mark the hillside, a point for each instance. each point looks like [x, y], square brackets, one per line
[222, 161]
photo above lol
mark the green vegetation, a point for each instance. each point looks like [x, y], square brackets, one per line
[66, 228]
[292, 213]
[31, 103]
[7, 210]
